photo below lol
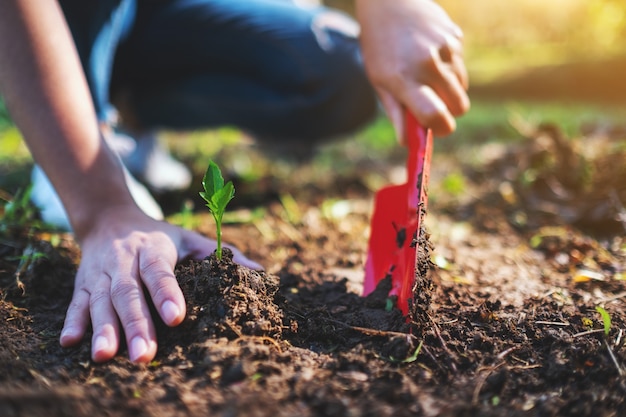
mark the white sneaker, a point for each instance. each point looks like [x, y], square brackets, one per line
[52, 211]
[152, 164]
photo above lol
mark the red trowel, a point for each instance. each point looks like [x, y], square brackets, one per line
[397, 216]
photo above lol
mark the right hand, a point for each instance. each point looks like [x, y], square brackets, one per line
[122, 253]
[413, 55]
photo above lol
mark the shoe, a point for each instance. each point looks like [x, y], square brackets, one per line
[151, 163]
[46, 199]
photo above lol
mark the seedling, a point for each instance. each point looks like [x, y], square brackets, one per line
[606, 319]
[17, 214]
[217, 195]
[27, 262]
[411, 358]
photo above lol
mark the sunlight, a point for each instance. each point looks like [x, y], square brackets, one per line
[501, 37]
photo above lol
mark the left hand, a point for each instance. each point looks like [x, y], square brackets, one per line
[124, 251]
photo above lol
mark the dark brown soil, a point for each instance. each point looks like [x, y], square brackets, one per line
[420, 304]
[512, 328]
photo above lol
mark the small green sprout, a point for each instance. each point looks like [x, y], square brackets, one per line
[411, 358]
[217, 195]
[606, 319]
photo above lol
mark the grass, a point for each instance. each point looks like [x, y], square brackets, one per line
[12, 147]
[490, 120]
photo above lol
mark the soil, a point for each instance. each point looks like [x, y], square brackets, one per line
[512, 327]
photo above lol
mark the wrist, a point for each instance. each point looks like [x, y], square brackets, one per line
[98, 192]
[89, 217]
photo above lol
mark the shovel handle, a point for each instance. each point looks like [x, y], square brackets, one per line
[419, 142]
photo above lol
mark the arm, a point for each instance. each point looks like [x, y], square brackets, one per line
[413, 55]
[122, 248]
[48, 98]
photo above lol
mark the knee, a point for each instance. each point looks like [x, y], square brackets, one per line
[342, 100]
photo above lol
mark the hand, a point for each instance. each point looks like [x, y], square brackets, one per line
[413, 55]
[124, 252]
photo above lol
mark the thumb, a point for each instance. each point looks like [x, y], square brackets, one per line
[241, 259]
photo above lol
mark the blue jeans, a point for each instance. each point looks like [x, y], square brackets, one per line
[264, 66]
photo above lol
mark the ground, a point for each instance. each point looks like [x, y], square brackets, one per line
[523, 254]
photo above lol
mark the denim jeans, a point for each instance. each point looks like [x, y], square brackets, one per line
[265, 66]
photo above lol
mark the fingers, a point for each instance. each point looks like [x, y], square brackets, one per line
[451, 53]
[161, 283]
[105, 339]
[430, 110]
[76, 319]
[110, 293]
[131, 307]
[438, 93]
[94, 303]
[448, 84]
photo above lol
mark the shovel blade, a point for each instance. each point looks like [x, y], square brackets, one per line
[388, 236]
[396, 220]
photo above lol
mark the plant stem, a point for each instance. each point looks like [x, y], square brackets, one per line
[218, 234]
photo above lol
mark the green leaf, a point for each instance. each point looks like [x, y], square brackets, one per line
[220, 199]
[212, 181]
[217, 195]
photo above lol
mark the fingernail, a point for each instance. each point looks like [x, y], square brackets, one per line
[170, 311]
[101, 344]
[68, 335]
[138, 348]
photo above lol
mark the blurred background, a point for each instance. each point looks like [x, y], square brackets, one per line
[531, 62]
[574, 49]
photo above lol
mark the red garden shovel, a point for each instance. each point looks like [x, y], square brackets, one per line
[397, 216]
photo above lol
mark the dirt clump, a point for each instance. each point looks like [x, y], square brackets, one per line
[225, 299]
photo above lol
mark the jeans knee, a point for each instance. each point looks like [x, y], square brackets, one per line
[350, 101]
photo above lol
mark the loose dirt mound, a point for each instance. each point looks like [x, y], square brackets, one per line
[550, 179]
[227, 300]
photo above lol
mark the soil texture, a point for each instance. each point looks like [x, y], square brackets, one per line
[508, 324]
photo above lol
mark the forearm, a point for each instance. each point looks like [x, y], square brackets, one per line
[45, 90]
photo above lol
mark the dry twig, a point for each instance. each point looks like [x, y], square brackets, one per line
[552, 323]
[443, 343]
[588, 332]
[371, 332]
[620, 371]
[482, 381]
